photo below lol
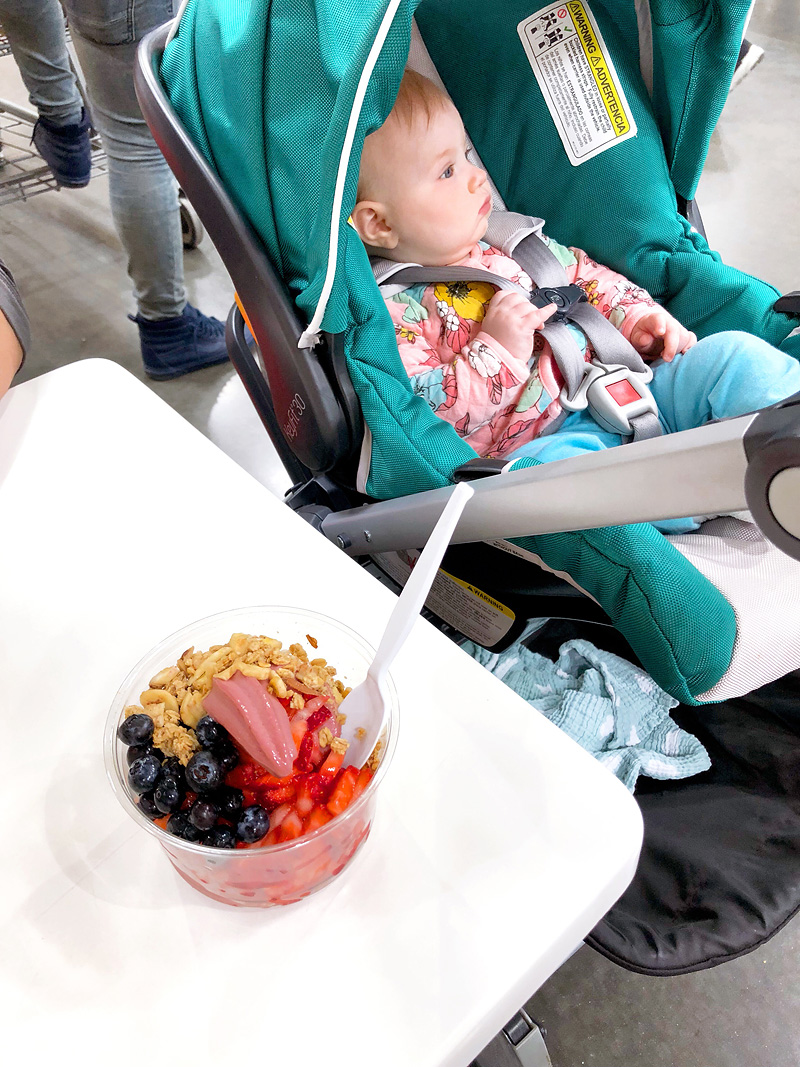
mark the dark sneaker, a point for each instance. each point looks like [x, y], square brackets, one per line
[177, 346]
[67, 150]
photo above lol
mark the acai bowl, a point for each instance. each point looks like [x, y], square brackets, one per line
[188, 782]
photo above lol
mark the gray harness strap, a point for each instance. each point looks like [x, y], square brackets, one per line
[609, 345]
[520, 236]
[536, 259]
[565, 348]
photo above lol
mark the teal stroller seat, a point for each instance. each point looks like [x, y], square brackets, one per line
[265, 111]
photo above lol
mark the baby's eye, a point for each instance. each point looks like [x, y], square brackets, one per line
[447, 172]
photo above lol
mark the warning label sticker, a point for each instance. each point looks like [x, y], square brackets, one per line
[577, 78]
[477, 615]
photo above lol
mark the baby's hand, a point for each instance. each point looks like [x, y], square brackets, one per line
[659, 334]
[512, 320]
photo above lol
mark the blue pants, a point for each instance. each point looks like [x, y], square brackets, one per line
[143, 193]
[722, 376]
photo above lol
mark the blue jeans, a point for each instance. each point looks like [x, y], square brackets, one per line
[143, 191]
[722, 376]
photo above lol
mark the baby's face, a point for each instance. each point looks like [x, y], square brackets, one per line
[437, 202]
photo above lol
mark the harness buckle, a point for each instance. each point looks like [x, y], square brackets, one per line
[614, 394]
[565, 297]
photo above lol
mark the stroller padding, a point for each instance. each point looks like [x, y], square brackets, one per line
[718, 874]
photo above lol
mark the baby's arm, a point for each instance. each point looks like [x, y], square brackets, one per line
[650, 328]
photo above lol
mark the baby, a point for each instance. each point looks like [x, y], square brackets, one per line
[475, 353]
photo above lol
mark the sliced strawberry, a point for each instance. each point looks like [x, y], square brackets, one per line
[273, 798]
[343, 790]
[319, 717]
[330, 768]
[269, 781]
[273, 837]
[277, 816]
[320, 787]
[304, 761]
[298, 728]
[162, 821]
[249, 797]
[291, 827]
[305, 796]
[244, 774]
[363, 780]
[316, 818]
[312, 705]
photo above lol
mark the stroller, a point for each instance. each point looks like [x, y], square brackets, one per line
[261, 113]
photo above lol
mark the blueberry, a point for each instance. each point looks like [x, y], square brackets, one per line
[203, 772]
[203, 814]
[220, 837]
[135, 751]
[168, 795]
[229, 802]
[135, 730]
[227, 754]
[253, 824]
[191, 833]
[148, 807]
[144, 772]
[179, 825]
[173, 768]
[209, 732]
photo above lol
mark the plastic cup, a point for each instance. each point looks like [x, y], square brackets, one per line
[258, 877]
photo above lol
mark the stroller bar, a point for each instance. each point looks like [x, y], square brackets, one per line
[696, 472]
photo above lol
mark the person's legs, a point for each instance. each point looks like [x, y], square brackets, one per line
[143, 191]
[577, 434]
[175, 337]
[722, 376]
[35, 32]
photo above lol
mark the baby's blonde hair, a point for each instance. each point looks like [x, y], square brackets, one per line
[416, 96]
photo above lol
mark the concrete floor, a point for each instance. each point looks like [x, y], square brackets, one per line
[70, 267]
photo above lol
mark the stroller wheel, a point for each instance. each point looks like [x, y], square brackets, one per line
[191, 226]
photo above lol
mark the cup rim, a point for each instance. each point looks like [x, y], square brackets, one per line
[123, 793]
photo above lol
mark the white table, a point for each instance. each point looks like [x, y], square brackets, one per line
[498, 842]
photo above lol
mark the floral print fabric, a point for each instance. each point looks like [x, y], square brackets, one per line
[497, 400]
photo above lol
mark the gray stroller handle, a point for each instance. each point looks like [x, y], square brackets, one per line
[752, 461]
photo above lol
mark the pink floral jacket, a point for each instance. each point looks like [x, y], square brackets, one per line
[497, 400]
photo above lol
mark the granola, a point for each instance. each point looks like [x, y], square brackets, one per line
[174, 698]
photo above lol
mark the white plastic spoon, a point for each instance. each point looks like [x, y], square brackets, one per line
[365, 707]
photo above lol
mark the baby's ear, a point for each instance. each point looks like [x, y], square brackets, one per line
[372, 226]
